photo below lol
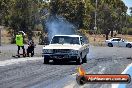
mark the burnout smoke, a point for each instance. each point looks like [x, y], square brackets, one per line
[57, 25]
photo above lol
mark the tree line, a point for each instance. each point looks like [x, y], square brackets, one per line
[29, 15]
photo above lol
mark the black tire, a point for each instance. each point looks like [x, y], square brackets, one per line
[110, 44]
[84, 60]
[129, 45]
[46, 61]
[79, 61]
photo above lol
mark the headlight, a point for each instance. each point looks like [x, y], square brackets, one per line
[47, 51]
[74, 51]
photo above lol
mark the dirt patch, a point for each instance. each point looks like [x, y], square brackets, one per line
[96, 40]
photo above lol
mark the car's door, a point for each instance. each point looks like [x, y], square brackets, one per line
[85, 46]
[122, 43]
[115, 42]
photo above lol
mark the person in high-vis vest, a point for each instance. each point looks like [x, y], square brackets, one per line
[19, 43]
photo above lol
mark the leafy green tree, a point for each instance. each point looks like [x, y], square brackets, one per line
[25, 15]
[5, 11]
[72, 10]
[111, 15]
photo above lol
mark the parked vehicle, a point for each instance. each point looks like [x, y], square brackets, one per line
[118, 42]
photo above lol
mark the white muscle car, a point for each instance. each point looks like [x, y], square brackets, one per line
[118, 42]
[66, 47]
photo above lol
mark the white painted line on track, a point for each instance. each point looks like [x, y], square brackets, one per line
[19, 60]
[124, 72]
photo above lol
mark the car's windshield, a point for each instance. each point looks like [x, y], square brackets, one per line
[65, 40]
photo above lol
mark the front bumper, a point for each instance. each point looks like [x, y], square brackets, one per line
[61, 56]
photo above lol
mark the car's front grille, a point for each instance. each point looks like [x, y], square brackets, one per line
[61, 50]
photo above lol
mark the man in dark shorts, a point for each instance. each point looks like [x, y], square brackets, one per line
[19, 43]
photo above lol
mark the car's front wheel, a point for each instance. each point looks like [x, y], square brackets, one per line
[129, 45]
[79, 61]
[46, 60]
[110, 44]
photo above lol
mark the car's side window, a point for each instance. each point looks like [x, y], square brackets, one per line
[116, 39]
[83, 40]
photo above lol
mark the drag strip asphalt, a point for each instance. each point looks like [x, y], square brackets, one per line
[32, 73]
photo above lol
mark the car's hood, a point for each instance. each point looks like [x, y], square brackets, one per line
[62, 46]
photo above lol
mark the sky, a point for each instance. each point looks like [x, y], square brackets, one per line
[128, 3]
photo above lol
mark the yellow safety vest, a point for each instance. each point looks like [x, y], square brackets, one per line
[19, 40]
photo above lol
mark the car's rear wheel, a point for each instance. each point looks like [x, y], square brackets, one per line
[110, 44]
[129, 45]
[46, 60]
[84, 60]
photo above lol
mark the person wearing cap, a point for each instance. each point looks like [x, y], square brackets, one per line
[19, 42]
[30, 48]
